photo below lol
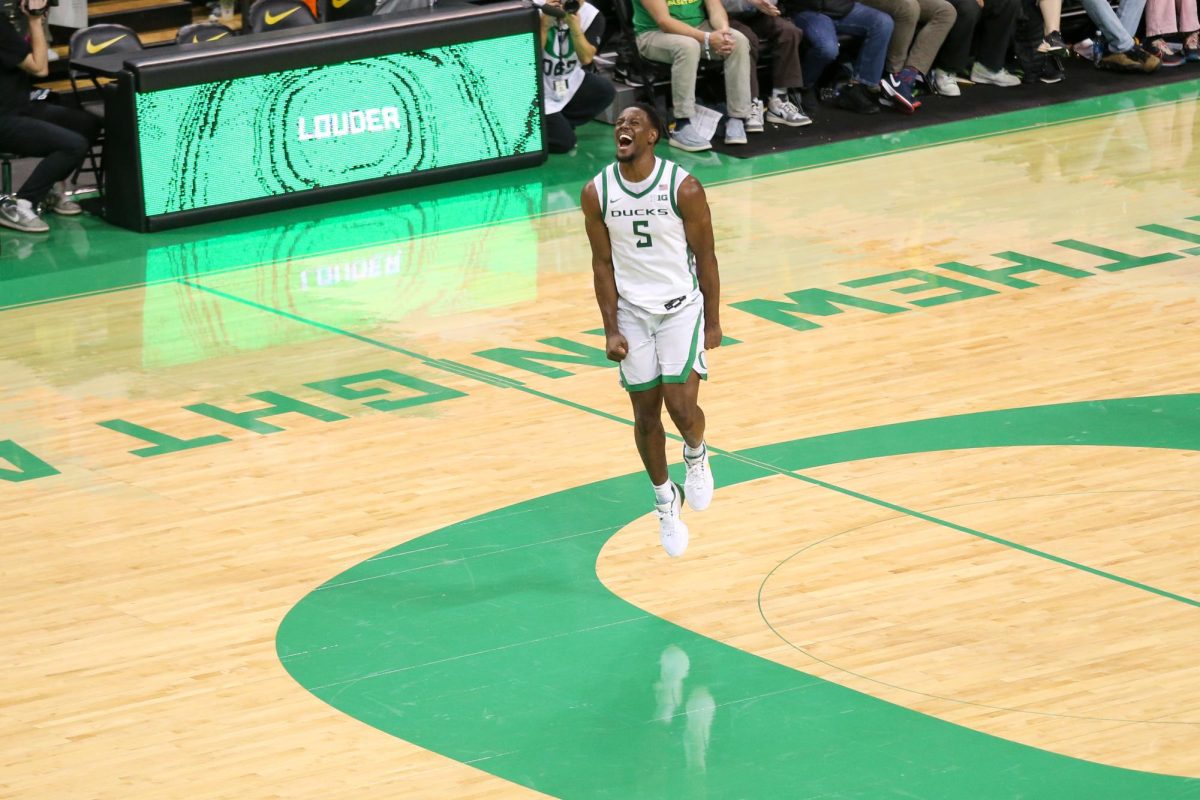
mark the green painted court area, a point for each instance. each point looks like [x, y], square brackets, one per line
[426, 643]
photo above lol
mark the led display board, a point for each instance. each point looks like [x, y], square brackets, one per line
[293, 131]
[332, 110]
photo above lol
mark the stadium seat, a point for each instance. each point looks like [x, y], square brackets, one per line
[105, 38]
[274, 15]
[332, 10]
[202, 33]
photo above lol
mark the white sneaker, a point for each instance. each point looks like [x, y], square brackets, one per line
[687, 139]
[782, 111]
[672, 533]
[754, 122]
[698, 485]
[944, 83]
[998, 77]
[735, 131]
[18, 214]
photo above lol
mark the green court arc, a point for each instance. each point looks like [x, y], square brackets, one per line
[492, 642]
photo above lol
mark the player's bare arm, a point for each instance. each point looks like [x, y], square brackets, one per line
[697, 226]
[615, 345]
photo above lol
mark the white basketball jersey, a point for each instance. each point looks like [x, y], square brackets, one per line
[654, 267]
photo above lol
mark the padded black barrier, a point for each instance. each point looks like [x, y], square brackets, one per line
[316, 46]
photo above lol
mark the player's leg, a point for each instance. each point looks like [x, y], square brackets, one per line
[683, 406]
[682, 400]
[680, 343]
[641, 375]
[648, 433]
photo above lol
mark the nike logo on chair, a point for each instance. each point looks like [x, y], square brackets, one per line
[94, 48]
[339, 3]
[271, 19]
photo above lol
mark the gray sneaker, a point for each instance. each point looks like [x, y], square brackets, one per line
[754, 122]
[735, 131]
[782, 111]
[688, 139]
[18, 214]
[996, 77]
[60, 204]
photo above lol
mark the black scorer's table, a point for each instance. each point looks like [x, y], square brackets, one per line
[287, 118]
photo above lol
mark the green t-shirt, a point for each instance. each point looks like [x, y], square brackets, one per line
[690, 11]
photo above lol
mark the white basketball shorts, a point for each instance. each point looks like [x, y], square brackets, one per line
[663, 348]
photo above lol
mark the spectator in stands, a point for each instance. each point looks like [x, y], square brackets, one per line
[27, 128]
[1036, 45]
[1052, 41]
[982, 27]
[911, 51]
[1172, 16]
[572, 95]
[1117, 48]
[760, 21]
[680, 34]
[822, 21]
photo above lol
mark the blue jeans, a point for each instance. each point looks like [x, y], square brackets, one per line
[1118, 27]
[821, 44]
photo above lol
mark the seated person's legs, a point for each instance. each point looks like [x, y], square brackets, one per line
[993, 38]
[754, 120]
[683, 54]
[820, 46]
[62, 136]
[904, 14]
[1121, 51]
[737, 75]
[953, 58]
[783, 40]
[875, 29]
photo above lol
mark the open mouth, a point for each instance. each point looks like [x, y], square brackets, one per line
[624, 140]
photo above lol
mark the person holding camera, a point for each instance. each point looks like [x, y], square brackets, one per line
[61, 136]
[571, 32]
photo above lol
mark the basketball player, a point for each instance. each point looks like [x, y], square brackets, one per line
[656, 281]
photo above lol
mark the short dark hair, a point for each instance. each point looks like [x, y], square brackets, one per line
[655, 119]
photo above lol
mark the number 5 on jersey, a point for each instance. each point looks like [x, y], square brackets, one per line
[639, 230]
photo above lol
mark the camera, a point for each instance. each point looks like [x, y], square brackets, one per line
[568, 7]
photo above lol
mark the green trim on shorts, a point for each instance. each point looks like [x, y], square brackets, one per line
[636, 387]
[662, 164]
[691, 359]
[604, 192]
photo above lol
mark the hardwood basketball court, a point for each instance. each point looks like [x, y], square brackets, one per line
[345, 503]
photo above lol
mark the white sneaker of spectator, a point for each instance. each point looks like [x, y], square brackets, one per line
[996, 77]
[18, 213]
[754, 122]
[944, 83]
[784, 112]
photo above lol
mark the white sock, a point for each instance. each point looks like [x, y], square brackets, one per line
[690, 453]
[664, 493]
